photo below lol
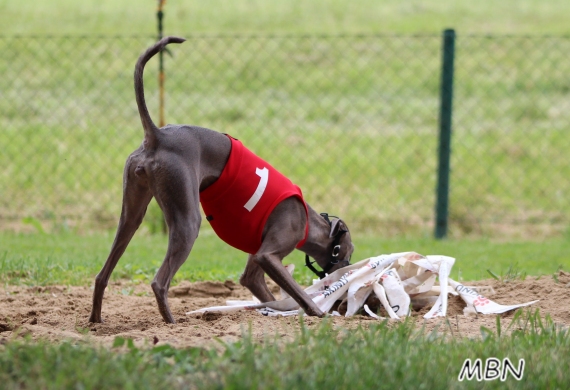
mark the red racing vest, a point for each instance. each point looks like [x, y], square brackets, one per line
[238, 204]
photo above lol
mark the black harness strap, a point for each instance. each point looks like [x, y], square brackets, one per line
[309, 264]
[335, 253]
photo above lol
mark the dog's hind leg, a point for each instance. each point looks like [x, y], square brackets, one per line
[136, 198]
[181, 238]
[182, 212]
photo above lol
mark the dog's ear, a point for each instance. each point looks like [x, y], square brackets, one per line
[337, 225]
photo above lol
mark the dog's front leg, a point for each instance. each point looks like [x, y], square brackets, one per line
[273, 267]
[253, 279]
[283, 230]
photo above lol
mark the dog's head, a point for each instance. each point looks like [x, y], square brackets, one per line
[341, 247]
[338, 251]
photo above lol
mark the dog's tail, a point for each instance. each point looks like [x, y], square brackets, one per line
[148, 125]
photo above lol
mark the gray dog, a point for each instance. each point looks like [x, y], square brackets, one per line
[249, 204]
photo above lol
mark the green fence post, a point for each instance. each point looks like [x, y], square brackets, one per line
[445, 114]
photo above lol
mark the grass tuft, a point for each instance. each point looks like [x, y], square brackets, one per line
[382, 355]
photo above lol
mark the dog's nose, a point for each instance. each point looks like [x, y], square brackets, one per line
[139, 170]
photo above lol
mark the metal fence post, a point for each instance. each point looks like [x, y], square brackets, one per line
[445, 114]
[161, 121]
[159, 16]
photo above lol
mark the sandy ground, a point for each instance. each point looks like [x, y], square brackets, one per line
[57, 313]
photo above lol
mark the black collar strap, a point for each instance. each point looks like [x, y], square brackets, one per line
[309, 264]
[335, 253]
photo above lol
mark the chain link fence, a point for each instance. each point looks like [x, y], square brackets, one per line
[353, 120]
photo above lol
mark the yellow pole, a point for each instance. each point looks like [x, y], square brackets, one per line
[160, 15]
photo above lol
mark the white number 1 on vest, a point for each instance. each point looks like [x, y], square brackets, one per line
[263, 178]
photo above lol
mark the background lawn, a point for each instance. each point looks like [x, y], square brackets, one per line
[112, 17]
[70, 257]
[341, 97]
[40, 259]
[383, 356]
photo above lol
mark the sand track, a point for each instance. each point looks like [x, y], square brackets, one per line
[57, 313]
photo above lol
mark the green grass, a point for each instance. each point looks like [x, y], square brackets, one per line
[350, 116]
[359, 101]
[110, 17]
[401, 356]
[70, 259]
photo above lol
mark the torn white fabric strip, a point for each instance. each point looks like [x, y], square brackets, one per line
[371, 313]
[399, 300]
[381, 294]
[480, 304]
[408, 278]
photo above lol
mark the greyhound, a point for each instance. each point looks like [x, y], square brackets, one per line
[177, 165]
